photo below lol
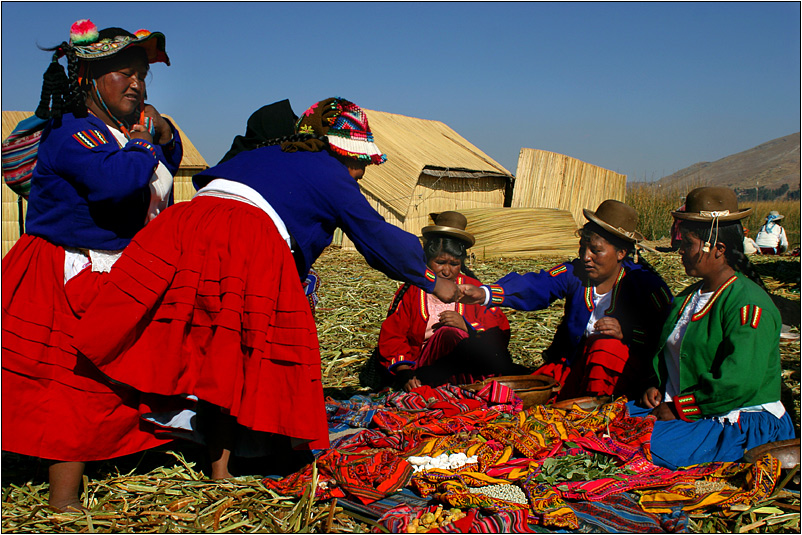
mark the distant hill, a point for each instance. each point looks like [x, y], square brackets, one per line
[772, 166]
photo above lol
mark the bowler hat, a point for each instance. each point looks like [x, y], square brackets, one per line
[617, 218]
[451, 224]
[711, 202]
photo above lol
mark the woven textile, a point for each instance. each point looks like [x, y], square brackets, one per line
[397, 520]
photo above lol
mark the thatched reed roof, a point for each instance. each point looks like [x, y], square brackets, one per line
[420, 146]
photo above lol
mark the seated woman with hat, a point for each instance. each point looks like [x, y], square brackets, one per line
[614, 307]
[771, 236]
[717, 387]
[425, 341]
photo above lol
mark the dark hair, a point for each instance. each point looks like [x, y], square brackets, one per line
[731, 234]
[66, 93]
[437, 244]
[590, 229]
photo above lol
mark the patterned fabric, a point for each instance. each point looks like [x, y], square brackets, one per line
[20, 150]
[397, 520]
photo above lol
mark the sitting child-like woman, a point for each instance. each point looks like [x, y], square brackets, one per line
[424, 341]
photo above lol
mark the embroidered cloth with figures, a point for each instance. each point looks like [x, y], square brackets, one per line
[447, 460]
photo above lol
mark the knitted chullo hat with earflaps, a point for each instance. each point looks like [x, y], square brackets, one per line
[343, 125]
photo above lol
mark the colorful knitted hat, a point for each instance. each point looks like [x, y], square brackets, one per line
[345, 126]
[91, 44]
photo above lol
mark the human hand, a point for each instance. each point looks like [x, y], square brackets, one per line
[163, 131]
[609, 327]
[663, 412]
[451, 318]
[651, 398]
[412, 384]
[446, 291]
[471, 295]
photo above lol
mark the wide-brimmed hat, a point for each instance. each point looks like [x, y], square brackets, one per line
[89, 44]
[774, 215]
[710, 203]
[617, 218]
[450, 224]
[345, 126]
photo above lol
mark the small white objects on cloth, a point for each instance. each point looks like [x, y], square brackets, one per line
[442, 461]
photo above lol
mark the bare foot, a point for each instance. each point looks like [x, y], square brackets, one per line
[68, 507]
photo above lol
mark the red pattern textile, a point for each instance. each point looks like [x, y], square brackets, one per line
[56, 405]
[207, 301]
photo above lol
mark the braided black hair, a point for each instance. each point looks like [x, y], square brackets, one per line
[731, 234]
[61, 93]
[436, 244]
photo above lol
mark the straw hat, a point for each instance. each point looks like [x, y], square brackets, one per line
[774, 215]
[710, 203]
[617, 218]
[451, 224]
[90, 44]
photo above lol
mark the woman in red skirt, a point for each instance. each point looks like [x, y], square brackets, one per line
[105, 167]
[207, 302]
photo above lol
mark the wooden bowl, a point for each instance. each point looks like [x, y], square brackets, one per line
[532, 389]
[785, 451]
[587, 403]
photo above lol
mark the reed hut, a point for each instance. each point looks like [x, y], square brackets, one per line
[191, 163]
[429, 168]
[549, 180]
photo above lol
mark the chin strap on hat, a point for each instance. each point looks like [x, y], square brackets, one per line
[714, 221]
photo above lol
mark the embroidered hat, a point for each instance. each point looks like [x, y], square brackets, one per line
[710, 203]
[451, 224]
[90, 44]
[345, 126]
[617, 218]
[774, 215]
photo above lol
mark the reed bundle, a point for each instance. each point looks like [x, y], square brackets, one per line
[521, 232]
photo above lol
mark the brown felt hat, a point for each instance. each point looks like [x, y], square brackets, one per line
[711, 202]
[451, 224]
[617, 218]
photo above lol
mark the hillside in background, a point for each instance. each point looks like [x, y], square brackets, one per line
[773, 167]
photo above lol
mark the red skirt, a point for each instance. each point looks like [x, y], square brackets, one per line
[206, 301]
[56, 405]
[604, 368]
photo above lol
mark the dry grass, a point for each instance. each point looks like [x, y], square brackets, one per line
[654, 205]
[163, 492]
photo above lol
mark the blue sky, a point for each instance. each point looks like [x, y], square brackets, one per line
[644, 89]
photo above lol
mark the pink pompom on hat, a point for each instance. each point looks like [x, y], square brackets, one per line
[90, 44]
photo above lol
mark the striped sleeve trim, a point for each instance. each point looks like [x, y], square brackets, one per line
[558, 270]
[145, 145]
[687, 407]
[430, 276]
[90, 138]
[496, 294]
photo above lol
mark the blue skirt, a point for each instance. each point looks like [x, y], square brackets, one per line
[677, 443]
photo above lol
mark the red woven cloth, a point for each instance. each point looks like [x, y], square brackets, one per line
[603, 369]
[206, 300]
[56, 405]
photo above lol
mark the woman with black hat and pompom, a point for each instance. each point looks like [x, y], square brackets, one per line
[105, 168]
[718, 376]
[424, 341]
[220, 314]
[614, 307]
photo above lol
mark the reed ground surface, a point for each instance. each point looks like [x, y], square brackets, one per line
[166, 491]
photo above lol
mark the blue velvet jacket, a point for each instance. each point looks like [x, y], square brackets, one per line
[640, 302]
[313, 193]
[89, 192]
